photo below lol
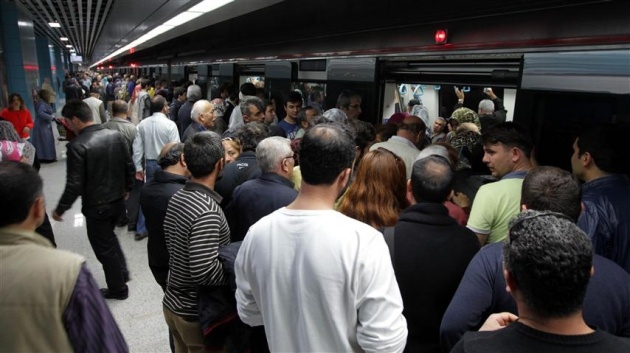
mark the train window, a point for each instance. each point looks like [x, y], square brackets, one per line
[258, 81]
[313, 93]
[439, 99]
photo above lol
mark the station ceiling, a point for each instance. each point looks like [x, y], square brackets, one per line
[96, 28]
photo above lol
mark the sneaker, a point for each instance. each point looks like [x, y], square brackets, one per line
[140, 236]
[107, 294]
[122, 222]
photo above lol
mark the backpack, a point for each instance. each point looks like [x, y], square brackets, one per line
[109, 90]
[144, 106]
[122, 93]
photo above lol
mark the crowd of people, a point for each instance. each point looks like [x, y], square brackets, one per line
[315, 231]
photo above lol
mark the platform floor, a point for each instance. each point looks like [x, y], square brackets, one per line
[140, 316]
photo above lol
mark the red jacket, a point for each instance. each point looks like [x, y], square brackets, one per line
[20, 119]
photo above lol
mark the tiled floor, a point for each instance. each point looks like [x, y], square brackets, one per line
[140, 316]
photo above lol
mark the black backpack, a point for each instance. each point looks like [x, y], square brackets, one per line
[109, 90]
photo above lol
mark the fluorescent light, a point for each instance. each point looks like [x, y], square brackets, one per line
[182, 18]
[209, 5]
[202, 7]
[68, 46]
[54, 24]
[156, 32]
[64, 39]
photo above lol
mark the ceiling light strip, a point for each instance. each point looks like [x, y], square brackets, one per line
[201, 8]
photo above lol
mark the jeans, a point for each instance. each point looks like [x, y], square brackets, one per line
[150, 168]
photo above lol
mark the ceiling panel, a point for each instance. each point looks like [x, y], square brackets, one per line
[81, 21]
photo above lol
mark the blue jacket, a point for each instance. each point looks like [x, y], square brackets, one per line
[606, 217]
[255, 199]
[481, 292]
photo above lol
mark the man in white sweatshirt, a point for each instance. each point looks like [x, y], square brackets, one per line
[316, 279]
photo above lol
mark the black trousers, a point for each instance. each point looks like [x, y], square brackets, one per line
[133, 203]
[100, 222]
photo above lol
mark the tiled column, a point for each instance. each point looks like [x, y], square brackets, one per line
[43, 59]
[18, 50]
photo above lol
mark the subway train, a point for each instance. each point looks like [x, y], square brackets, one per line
[558, 67]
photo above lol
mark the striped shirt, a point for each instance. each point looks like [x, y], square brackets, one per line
[194, 227]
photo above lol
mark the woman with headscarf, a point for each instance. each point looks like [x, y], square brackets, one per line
[42, 137]
[18, 115]
[12, 143]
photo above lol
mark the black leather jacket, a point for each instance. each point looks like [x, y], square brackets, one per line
[99, 168]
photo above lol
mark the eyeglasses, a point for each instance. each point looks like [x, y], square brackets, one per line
[354, 106]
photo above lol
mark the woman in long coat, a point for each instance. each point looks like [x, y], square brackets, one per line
[42, 136]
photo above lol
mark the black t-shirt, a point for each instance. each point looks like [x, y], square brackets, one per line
[518, 338]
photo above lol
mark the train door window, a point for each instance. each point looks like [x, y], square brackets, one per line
[440, 99]
[313, 94]
[399, 95]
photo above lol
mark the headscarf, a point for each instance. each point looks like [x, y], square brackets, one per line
[465, 143]
[335, 115]
[16, 144]
[465, 115]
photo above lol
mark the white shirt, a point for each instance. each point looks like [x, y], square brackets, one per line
[152, 134]
[97, 108]
[320, 282]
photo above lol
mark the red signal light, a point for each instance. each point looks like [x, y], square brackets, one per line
[132, 50]
[441, 36]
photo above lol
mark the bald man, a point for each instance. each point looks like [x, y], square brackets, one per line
[410, 132]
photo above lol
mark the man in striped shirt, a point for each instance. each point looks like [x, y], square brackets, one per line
[194, 227]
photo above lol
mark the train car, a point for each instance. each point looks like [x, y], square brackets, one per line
[558, 66]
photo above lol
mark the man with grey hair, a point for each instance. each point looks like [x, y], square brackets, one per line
[251, 109]
[491, 111]
[257, 198]
[203, 117]
[350, 103]
[120, 123]
[193, 94]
